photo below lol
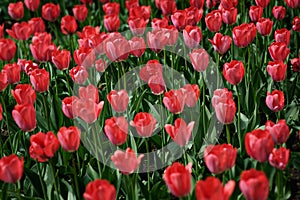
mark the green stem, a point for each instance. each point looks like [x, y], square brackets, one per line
[239, 117]
[203, 104]
[41, 180]
[68, 82]
[148, 166]
[18, 188]
[46, 110]
[53, 175]
[6, 121]
[279, 185]
[75, 177]
[228, 134]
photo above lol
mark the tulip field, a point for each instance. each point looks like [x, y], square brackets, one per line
[149, 99]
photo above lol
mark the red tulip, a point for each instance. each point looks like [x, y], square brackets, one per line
[137, 25]
[20, 31]
[32, 5]
[89, 92]
[279, 12]
[144, 124]
[259, 144]
[25, 117]
[37, 25]
[275, 100]
[228, 4]
[137, 46]
[159, 23]
[24, 94]
[131, 4]
[68, 106]
[69, 138]
[13, 72]
[50, 11]
[141, 12]
[44, 38]
[3, 80]
[157, 84]
[179, 19]
[118, 100]
[277, 70]
[117, 48]
[40, 79]
[42, 52]
[199, 59]
[221, 43]
[16, 10]
[167, 7]
[116, 129]
[219, 158]
[11, 168]
[156, 40]
[192, 93]
[264, 26]
[193, 16]
[8, 49]
[61, 59]
[234, 72]
[192, 35]
[43, 146]
[292, 3]
[213, 20]
[112, 22]
[100, 189]
[88, 110]
[111, 8]
[79, 74]
[255, 13]
[296, 24]
[295, 64]
[224, 105]
[68, 25]
[127, 162]
[244, 34]
[2, 31]
[1, 111]
[174, 100]
[152, 67]
[27, 65]
[212, 188]
[178, 179]
[280, 131]
[180, 132]
[80, 12]
[197, 3]
[282, 35]
[262, 3]
[88, 1]
[84, 57]
[254, 185]
[211, 3]
[279, 158]
[229, 16]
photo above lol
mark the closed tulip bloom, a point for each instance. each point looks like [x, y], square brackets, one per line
[112, 22]
[228, 4]
[259, 144]
[32, 5]
[25, 117]
[172, 35]
[211, 188]
[144, 124]
[244, 34]
[199, 59]
[282, 35]
[179, 19]
[37, 25]
[88, 110]
[61, 59]
[42, 52]
[50, 11]
[68, 25]
[292, 3]
[264, 26]
[16, 10]
[180, 132]
[111, 8]
[277, 70]
[43, 146]
[278, 51]
[11, 168]
[79, 74]
[296, 24]
[116, 130]
[137, 25]
[167, 7]
[262, 3]
[3, 80]
[27, 65]
[100, 189]
[221, 96]
[69, 138]
[280, 131]
[89, 92]
[219, 158]
[152, 67]
[127, 162]
[137, 46]
[157, 84]
[174, 100]
[213, 20]
[20, 31]
[117, 48]
[178, 179]
[131, 4]
[141, 12]
[118, 100]
[197, 3]
[24, 94]
[193, 16]
[279, 158]
[221, 43]
[157, 23]
[68, 106]
[192, 35]
[275, 100]
[84, 57]
[100, 65]
[80, 12]
[40, 79]
[8, 49]
[279, 12]
[254, 184]
[234, 72]
[156, 40]
[229, 16]
[13, 72]
[192, 93]
[255, 13]
[295, 65]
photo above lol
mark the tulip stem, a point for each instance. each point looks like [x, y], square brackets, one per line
[75, 177]
[6, 121]
[239, 117]
[41, 180]
[228, 134]
[53, 175]
[68, 82]
[18, 188]
[279, 184]
[47, 117]
[148, 165]
[203, 104]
